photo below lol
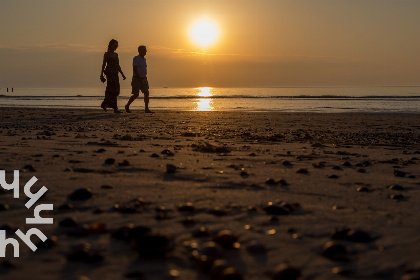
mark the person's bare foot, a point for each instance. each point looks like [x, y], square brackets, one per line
[103, 107]
[127, 109]
[148, 111]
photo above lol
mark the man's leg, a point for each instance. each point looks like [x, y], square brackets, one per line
[135, 90]
[146, 102]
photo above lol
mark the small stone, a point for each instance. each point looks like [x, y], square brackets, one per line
[81, 194]
[361, 170]
[337, 168]
[4, 207]
[68, 222]
[217, 211]
[286, 272]
[399, 173]
[244, 174]
[29, 168]
[107, 187]
[318, 165]
[154, 246]
[256, 247]
[49, 243]
[226, 239]
[396, 188]
[334, 250]
[397, 196]
[273, 209]
[362, 189]
[110, 161]
[170, 168]
[333, 177]
[201, 232]
[286, 163]
[302, 171]
[124, 163]
[130, 231]
[167, 152]
[357, 235]
[187, 207]
[154, 155]
[270, 181]
[66, 206]
[347, 164]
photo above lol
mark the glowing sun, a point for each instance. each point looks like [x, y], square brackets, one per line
[204, 32]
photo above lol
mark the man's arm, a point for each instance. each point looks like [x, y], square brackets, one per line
[136, 74]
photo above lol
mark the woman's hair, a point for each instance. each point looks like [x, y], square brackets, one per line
[111, 43]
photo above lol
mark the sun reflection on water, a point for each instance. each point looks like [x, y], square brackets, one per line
[206, 103]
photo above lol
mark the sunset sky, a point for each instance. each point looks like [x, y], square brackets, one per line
[260, 43]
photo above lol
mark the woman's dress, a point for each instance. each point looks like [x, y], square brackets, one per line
[113, 83]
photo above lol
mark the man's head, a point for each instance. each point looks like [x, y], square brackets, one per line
[142, 50]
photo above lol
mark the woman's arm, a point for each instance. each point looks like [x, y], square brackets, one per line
[119, 68]
[104, 64]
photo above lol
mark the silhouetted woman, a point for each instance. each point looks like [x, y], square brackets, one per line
[111, 68]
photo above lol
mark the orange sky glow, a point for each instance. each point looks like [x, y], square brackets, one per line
[264, 43]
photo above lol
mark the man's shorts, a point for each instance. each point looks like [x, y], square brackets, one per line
[138, 86]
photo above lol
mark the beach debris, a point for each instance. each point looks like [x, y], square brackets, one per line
[78, 231]
[200, 232]
[276, 209]
[285, 271]
[109, 161]
[153, 245]
[354, 235]
[302, 171]
[187, 207]
[207, 254]
[226, 239]
[28, 168]
[167, 152]
[80, 194]
[68, 222]
[256, 247]
[4, 207]
[130, 231]
[286, 163]
[134, 274]
[83, 253]
[66, 206]
[318, 165]
[230, 273]
[341, 270]
[270, 181]
[397, 196]
[209, 148]
[334, 251]
[170, 168]
[217, 211]
[124, 163]
[396, 188]
[48, 243]
[399, 173]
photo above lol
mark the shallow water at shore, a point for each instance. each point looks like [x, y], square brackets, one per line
[293, 99]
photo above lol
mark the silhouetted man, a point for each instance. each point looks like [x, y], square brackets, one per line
[139, 81]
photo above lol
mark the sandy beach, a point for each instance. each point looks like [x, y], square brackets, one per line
[214, 195]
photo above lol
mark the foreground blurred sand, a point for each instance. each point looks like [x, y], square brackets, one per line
[223, 162]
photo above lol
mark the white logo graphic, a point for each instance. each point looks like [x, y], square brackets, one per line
[36, 220]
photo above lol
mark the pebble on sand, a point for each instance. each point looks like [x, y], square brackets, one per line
[81, 194]
[285, 271]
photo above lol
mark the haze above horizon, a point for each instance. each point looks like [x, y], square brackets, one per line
[264, 43]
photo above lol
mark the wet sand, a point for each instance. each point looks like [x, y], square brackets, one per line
[214, 195]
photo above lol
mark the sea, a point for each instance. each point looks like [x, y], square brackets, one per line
[380, 99]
